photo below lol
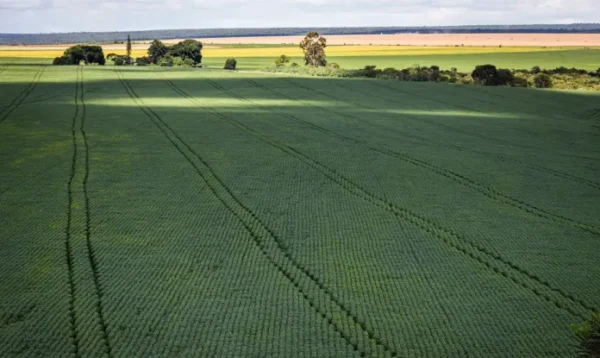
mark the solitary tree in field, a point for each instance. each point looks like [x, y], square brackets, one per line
[313, 46]
[129, 49]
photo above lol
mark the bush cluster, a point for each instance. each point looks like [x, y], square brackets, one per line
[488, 75]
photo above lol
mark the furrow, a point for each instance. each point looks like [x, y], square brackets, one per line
[91, 253]
[458, 242]
[68, 248]
[268, 242]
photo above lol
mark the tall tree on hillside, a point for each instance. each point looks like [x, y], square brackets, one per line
[313, 46]
[129, 49]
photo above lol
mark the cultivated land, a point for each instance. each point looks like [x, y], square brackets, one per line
[518, 51]
[198, 213]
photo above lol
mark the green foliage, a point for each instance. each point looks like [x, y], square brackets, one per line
[504, 77]
[282, 60]
[143, 61]
[333, 65]
[118, 60]
[187, 49]
[86, 53]
[294, 64]
[166, 61]
[230, 64]
[588, 336]
[128, 49]
[542, 80]
[486, 75]
[63, 60]
[313, 45]
[157, 51]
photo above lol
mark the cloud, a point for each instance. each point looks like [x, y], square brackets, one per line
[112, 15]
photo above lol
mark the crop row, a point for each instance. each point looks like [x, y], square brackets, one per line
[468, 247]
[270, 245]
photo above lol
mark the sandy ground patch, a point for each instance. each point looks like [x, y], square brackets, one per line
[549, 40]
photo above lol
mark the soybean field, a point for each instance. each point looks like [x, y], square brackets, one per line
[151, 212]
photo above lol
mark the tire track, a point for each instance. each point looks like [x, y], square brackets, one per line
[455, 176]
[23, 95]
[273, 248]
[545, 170]
[90, 249]
[488, 258]
[68, 238]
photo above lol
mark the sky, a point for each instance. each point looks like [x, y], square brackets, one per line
[35, 16]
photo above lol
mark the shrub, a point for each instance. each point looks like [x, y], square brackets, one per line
[282, 60]
[294, 64]
[504, 77]
[542, 80]
[588, 335]
[143, 61]
[166, 61]
[230, 64]
[63, 61]
[183, 62]
[519, 82]
[333, 65]
[369, 71]
[535, 70]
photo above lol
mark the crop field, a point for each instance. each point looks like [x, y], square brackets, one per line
[259, 56]
[150, 212]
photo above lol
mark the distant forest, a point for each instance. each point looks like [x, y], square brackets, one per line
[104, 37]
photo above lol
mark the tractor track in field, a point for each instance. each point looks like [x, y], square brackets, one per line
[453, 239]
[68, 249]
[43, 99]
[90, 248]
[17, 101]
[78, 135]
[455, 176]
[264, 237]
[553, 172]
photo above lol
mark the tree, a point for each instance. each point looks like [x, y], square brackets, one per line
[88, 54]
[157, 50]
[281, 61]
[485, 75]
[129, 60]
[191, 49]
[230, 64]
[313, 46]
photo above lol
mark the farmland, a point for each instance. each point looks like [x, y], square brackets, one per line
[258, 56]
[150, 212]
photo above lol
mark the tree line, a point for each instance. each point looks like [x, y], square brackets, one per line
[119, 37]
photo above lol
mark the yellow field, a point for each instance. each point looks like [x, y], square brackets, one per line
[56, 53]
[341, 51]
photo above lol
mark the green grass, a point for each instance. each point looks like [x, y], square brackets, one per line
[584, 59]
[206, 213]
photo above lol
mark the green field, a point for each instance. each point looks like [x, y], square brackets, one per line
[147, 212]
